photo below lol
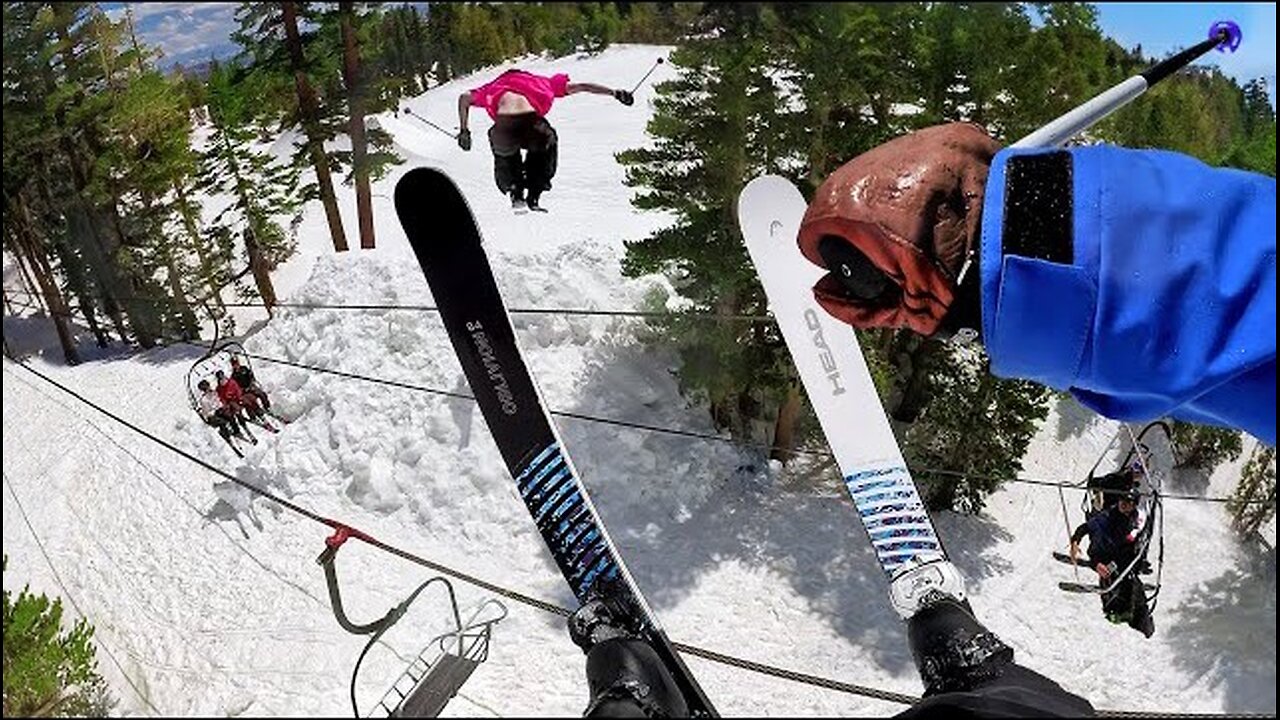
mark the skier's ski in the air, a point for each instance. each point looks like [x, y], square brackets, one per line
[629, 658]
[518, 102]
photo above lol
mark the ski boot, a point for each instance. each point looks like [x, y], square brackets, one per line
[952, 650]
[969, 672]
[517, 200]
[533, 202]
[625, 676]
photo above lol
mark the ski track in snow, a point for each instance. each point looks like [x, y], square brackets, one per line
[211, 604]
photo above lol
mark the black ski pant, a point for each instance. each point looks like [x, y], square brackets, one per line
[529, 132]
[1127, 603]
[224, 424]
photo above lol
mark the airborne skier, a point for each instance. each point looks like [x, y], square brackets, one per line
[518, 102]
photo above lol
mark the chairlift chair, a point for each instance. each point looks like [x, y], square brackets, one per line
[443, 665]
[1150, 506]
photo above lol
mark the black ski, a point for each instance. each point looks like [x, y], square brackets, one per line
[1065, 558]
[1085, 588]
[444, 236]
[1073, 587]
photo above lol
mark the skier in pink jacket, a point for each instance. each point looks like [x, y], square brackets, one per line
[518, 101]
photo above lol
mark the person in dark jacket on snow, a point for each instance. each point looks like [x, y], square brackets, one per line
[1114, 536]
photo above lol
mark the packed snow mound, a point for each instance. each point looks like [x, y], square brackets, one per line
[207, 602]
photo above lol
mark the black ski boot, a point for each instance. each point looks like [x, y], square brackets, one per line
[625, 676]
[969, 672]
[517, 200]
[951, 648]
[533, 202]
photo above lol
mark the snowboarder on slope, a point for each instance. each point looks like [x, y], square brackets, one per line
[967, 670]
[1143, 281]
[1113, 545]
[518, 101]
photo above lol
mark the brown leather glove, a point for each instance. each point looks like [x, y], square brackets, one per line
[895, 225]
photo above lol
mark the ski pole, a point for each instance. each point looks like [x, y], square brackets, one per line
[1223, 35]
[446, 132]
[646, 75]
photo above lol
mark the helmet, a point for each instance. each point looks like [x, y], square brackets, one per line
[203, 384]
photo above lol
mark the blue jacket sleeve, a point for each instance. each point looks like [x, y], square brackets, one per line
[1161, 302]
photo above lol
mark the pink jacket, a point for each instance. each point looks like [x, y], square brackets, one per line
[539, 90]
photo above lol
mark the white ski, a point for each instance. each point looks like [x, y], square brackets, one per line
[836, 379]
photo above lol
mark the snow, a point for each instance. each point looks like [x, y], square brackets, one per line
[209, 601]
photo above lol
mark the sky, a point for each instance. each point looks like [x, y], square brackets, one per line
[191, 33]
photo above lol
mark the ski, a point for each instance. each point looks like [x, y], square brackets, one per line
[1065, 558]
[1086, 589]
[835, 377]
[439, 225]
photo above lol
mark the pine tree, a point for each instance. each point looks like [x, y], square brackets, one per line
[975, 424]
[355, 87]
[277, 37]
[1253, 503]
[711, 133]
[260, 186]
[49, 670]
[1205, 447]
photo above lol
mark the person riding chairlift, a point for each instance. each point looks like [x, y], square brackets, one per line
[1113, 546]
[216, 413]
[243, 376]
[244, 406]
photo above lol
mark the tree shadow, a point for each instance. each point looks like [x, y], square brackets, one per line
[1073, 418]
[35, 336]
[681, 507]
[1226, 630]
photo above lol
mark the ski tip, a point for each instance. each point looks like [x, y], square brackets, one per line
[416, 187]
[768, 184]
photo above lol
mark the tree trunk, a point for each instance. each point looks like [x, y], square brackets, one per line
[257, 263]
[143, 311]
[190, 326]
[109, 281]
[310, 112]
[359, 145]
[72, 267]
[29, 285]
[785, 429]
[35, 253]
[193, 232]
[261, 275]
[77, 286]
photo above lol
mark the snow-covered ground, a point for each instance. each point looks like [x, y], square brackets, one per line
[207, 602]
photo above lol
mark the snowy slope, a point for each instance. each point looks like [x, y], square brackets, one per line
[209, 602]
